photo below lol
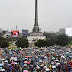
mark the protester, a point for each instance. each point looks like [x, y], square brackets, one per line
[46, 59]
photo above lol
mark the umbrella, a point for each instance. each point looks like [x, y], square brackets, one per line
[25, 70]
[27, 56]
[28, 62]
[53, 66]
[67, 53]
[70, 56]
[12, 63]
[15, 59]
[0, 67]
[56, 60]
[25, 64]
[62, 57]
[47, 69]
[38, 67]
[1, 64]
[6, 61]
[15, 62]
[70, 63]
[58, 64]
[40, 61]
[9, 65]
[3, 59]
[42, 65]
[53, 58]
[10, 52]
[2, 70]
[23, 58]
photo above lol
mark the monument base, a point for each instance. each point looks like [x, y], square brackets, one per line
[33, 39]
[36, 34]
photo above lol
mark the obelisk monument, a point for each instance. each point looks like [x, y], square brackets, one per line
[36, 27]
[36, 30]
[35, 34]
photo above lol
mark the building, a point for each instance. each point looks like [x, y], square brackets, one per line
[36, 32]
[1, 30]
[24, 33]
[62, 31]
[7, 35]
[68, 31]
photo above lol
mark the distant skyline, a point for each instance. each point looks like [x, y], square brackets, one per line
[52, 14]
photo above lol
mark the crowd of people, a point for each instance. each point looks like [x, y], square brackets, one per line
[45, 59]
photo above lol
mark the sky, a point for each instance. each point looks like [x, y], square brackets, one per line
[52, 14]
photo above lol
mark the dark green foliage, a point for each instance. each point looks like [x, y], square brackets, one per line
[49, 35]
[1, 38]
[40, 43]
[50, 42]
[11, 39]
[4, 44]
[22, 43]
[62, 40]
[43, 43]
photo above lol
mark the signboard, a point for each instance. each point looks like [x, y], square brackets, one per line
[25, 32]
[14, 33]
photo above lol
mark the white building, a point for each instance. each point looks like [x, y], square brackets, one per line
[7, 35]
[69, 31]
[33, 39]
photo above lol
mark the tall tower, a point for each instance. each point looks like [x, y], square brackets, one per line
[35, 34]
[36, 26]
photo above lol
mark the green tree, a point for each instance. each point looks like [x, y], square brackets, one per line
[50, 42]
[62, 40]
[49, 35]
[4, 44]
[22, 42]
[40, 43]
[1, 38]
[70, 42]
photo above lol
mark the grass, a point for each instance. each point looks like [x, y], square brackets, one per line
[10, 44]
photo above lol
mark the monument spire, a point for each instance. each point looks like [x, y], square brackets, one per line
[36, 27]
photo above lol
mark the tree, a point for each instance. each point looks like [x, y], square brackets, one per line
[62, 40]
[50, 42]
[4, 44]
[70, 42]
[40, 43]
[22, 42]
[49, 35]
[1, 38]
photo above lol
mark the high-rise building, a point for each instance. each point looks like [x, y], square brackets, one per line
[61, 31]
[69, 31]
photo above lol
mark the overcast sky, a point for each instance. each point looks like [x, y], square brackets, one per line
[52, 14]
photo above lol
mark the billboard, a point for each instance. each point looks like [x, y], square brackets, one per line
[25, 32]
[69, 31]
[14, 33]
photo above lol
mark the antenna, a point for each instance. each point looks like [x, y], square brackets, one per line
[16, 27]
